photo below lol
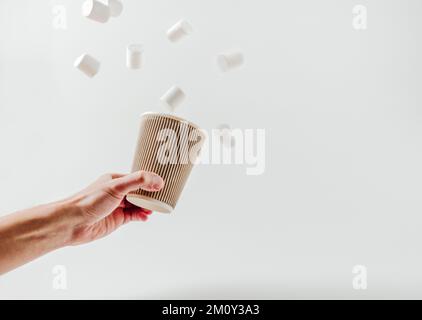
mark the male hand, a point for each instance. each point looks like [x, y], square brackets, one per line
[102, 207]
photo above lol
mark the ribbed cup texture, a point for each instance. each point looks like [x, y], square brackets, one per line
[150, 153]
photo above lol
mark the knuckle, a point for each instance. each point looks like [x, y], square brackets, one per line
[115, 191]
[104, 177]
[142, 177]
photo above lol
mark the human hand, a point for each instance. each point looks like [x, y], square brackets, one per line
[91, 214]
[102, 207]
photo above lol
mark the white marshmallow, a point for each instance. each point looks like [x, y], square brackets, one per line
[226, 137]
[173, 98]
[96, 10]
[231, 60]
[180, 30]
[88, 65]
[116, 7]
[134, 56]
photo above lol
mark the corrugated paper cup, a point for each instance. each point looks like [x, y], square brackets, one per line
[169, 146]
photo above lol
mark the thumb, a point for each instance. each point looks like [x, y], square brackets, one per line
[147, 181]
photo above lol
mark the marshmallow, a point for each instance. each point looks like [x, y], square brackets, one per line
[116, 7]
[96, 10]
[134, 56]
[173, 98]
[88, 65]
[180, 30]
[225, 133]
[231, 60]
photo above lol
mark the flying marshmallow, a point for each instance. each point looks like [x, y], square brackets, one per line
[116, 7]
[134, 56]
[173, 98]
[179, 31]
[88, 65]
[226, 137]
[96, 10]
[230, 60]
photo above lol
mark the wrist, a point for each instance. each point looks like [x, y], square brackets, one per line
[31, 233]
[64, 218]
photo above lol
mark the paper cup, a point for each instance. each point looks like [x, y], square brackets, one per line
[169, 146]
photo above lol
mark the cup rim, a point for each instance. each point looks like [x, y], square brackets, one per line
[170, 116]
[149, 203]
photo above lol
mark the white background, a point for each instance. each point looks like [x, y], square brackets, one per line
[343, 114]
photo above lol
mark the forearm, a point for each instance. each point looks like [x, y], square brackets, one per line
[88, 215]
[31, 233]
